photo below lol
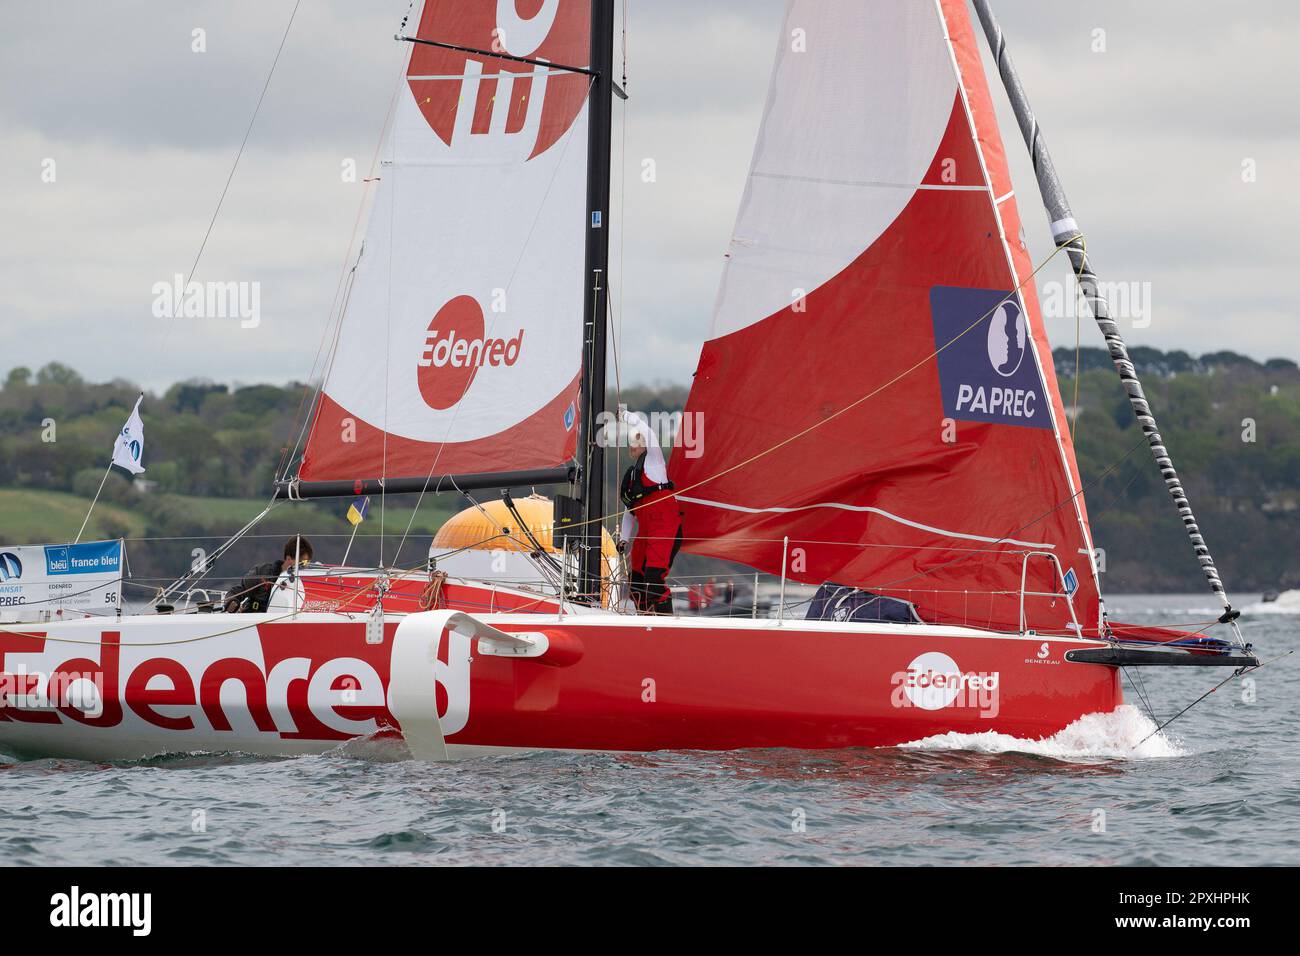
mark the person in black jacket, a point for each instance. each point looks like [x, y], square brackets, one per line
[253, 594]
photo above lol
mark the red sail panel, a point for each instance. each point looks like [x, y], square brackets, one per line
[460, 348]
[878, 387]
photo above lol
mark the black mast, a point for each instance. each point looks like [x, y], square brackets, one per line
[591, 455]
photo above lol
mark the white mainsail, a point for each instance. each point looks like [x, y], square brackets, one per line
[460, 349]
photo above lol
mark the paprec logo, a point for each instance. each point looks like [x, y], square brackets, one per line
[10, 567]
[986, 371]
[1006, 339]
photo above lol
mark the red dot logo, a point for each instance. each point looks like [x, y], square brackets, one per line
[443, 373]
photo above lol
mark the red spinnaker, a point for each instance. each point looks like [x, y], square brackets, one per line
[879, 386]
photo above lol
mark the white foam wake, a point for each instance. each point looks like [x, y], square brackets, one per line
[1263, 609]
[1112, 736]
[1288, 602]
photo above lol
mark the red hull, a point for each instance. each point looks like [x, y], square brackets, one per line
[345, 590]
[605, 683]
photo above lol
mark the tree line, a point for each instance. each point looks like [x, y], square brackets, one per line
[1232, 425]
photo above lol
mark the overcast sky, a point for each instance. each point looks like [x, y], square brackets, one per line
[1149, 137]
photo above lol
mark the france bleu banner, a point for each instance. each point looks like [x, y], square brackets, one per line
[60, 582]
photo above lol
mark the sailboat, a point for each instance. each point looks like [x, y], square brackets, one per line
[881, 415]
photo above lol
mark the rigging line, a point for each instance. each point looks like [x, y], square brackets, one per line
[475, 51]
[308, 420]
[752, 539]
[1163, 624]
[211, 560]
[477, 545]
[1240, 672]
[222, 537]
[1200, 626]
[618, 379]
[535, 545]
[94, 501]
[1078, 349]
[189, 640]
[1139, 686]
[230, 178]
[505, 532]
[523, 249]
[589, 440]
[617, 337]
[289, 452]
[1078, 337]
[1052, 510]
[856, 402]
[1066, 232]
[1123, 491]
[347, 277]
[388, 347]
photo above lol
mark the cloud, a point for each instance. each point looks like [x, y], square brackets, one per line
[1149, 137]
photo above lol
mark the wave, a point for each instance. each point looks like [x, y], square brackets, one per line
[1270, 608]
[1288, 602]
[1118, 735]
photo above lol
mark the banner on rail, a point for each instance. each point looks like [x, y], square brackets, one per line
[50, 582]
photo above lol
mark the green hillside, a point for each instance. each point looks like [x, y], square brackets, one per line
[29, 516]
[212, 453]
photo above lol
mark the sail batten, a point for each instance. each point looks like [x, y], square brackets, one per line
[875, 387]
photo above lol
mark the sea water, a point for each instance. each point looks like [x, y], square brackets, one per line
[1220, 786]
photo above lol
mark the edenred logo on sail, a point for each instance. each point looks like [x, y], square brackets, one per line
[455, 348]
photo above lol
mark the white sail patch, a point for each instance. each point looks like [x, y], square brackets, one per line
[465, 315]
[870, 107]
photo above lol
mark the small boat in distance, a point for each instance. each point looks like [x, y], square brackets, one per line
[880, 409]
[1274, 602]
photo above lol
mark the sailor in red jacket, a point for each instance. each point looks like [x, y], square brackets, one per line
[651, 522]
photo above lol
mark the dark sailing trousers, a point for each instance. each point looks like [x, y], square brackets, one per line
[649, 585]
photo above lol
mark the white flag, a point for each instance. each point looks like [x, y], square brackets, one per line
[130, 442]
